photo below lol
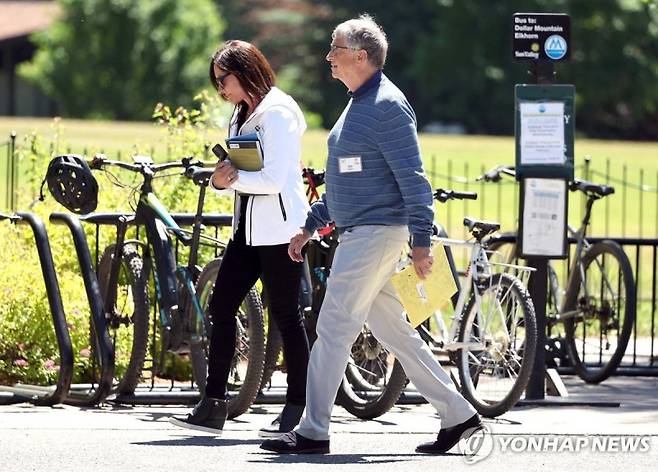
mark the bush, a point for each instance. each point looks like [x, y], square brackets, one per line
[28, 347]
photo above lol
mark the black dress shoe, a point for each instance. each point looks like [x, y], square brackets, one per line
[209, 415]
[448, 437]
[284, 423]
[295, 443]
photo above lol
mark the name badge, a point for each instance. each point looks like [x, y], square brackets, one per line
[349, 164]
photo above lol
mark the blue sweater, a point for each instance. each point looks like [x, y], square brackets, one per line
[379, 126]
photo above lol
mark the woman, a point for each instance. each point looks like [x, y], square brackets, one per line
[270, 206]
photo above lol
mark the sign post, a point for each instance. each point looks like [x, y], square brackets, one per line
[544, 135]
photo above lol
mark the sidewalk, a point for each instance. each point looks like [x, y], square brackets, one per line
[140, 438]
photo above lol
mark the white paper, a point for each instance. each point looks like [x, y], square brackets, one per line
[543, 217]
[542, 133]
[349, 164]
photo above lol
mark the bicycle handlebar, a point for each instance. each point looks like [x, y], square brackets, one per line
[99, 161]
[445, 195]
[576, 185]
[494, 175]
[313, 177]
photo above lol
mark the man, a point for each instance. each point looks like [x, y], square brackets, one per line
[377, 194]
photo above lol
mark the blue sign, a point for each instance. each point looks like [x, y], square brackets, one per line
[555, 47]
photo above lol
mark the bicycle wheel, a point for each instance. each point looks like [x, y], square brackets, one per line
[273, 348]
[599, 311]
[247, 364]
[128, 323]
[495, 370]
[373, 380]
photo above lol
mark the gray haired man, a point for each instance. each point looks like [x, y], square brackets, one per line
[377, 194]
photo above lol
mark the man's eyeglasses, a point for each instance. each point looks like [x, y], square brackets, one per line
[221, 79]
[333, 48]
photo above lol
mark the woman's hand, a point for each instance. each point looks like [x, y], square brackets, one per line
[297, 243]
[225, 175]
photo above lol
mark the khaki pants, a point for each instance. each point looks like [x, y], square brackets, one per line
[359, 290]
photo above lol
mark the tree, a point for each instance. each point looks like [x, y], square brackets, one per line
[453, 60]
[117, 58]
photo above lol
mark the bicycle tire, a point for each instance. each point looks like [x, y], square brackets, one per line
[130, 317]
[574, 326]
[502, 347]
[273, 348]
[371, 395]
[250, 344]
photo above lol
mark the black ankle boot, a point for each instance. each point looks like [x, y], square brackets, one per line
[208, 415]
[285, 422]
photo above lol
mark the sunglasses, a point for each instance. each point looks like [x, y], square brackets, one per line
[222, 78]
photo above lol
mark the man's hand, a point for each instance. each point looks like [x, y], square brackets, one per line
[224, 175]
[297, 243]
[423, 260]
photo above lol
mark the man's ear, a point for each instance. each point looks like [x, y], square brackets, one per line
[362, 55]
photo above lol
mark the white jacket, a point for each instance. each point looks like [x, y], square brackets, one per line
[277, 205]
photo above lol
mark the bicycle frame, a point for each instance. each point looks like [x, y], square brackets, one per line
[168, 276]
[478, 268]
[582, 246]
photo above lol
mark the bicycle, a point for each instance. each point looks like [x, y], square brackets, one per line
[182, 292]
[600, 297]
[493, 334]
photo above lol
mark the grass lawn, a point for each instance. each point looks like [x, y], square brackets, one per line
[450, 161]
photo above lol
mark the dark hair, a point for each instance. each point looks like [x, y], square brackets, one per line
[248, 65]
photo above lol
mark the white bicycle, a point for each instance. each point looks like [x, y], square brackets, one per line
[492, 338]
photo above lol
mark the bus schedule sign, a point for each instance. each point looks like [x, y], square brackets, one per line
[541, 36]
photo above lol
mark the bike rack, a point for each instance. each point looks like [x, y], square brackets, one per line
[40, 395]
[89, 395]
[161, 395]
[83, 395]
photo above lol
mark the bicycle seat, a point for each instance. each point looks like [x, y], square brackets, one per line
[590, 187]
[200, 175]
[482, 228]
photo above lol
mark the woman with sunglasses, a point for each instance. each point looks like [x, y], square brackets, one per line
[270, 207]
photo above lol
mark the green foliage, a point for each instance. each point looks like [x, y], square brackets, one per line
[453, 59]
[115, 58]
[456, 64]
[28, 348]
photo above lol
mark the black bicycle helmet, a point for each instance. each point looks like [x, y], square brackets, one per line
[70, 181]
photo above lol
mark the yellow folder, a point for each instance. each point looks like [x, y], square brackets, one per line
[421, 298]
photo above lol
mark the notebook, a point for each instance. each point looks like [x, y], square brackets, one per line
[245, 152]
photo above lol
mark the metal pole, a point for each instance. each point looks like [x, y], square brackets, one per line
[7, 177]
[14, 170]
[543, 73]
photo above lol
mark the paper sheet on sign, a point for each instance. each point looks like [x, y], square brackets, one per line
[421, 298]
[542, 133]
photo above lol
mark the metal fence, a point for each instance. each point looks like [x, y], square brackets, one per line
[631, 212]
[630, 217]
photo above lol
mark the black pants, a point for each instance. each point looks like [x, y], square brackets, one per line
[241, 267]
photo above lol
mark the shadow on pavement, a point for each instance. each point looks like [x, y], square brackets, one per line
[204, 441]
[269, 458]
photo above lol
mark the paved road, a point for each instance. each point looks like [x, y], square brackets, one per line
[140, 438]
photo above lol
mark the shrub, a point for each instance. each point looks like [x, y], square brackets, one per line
[28, 347]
